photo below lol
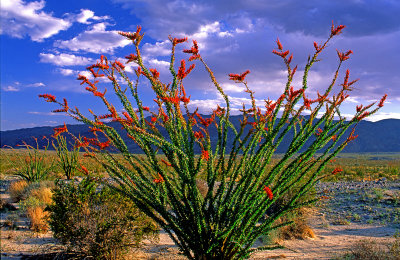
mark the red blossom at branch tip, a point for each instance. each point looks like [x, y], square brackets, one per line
[160, 179]
[48, 97]
[279, 44]
[205, 155]
[337, 170]
[382, 101]
[337, 30]
[84, 170]
[182, 72]
[118, 65]
[131, 36]
[59, 130]
[281, 54]
[317, 47]
[238, 77]
[176, 41]
[198, 135]
[131, 57]
[269, 192]
[344, 56]
[155, 73]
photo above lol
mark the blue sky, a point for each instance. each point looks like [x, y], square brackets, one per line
[46, 44]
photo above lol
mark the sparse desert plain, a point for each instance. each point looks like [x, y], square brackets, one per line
[355, 213]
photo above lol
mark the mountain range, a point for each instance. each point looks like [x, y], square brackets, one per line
[373, 137]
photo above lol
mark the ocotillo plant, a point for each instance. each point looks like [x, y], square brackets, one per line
[31, 166]
[68, 159]
[241, 182]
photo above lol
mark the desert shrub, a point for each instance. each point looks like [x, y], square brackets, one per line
[33, 167]
[38, 219]
[68, 158]
[38, 196]
[242, 180]
[370, 250]
[17, 190]
[40, 190]
[97, 221]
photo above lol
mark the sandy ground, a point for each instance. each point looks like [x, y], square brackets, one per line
[330, 241]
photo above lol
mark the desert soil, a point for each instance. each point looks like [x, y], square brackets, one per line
[350, 212]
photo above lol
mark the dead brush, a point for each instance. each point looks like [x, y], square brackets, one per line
[43, 194]
[17, 190]
[38, 219]
[371, 250]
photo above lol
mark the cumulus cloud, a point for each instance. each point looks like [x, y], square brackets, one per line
[95, 40]
[19, 18]
[11, 89]
[64, 59]
[85, 15]
[311, 16]
[67, 72]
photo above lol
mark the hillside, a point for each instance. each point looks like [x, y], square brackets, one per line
[375, 137]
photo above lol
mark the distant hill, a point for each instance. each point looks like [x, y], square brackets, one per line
[380, 136]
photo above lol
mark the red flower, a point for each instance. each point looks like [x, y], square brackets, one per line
[337, 30]
[279, 44]
[166, 163]
[131, 36]
[194, 50]
[48, 97]
[182, 72]
[198, 135]
[205, 155]
[238, 77]
[344, 56]
[155, 73]
[205, 122]
[59, 130]
[269, 192]
[175, 41]
[118, 65]
[146, 108]
[130, 58]
[317, 47]
[282, 54]
[337, 170]
[160, 179]
[84, 170]
[382, 101]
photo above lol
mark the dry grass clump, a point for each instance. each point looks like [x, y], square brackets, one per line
[17, 190]
[43, 194]
[38, 219]
[370, 250]
[37, 197]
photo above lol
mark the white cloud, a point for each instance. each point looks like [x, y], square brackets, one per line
[95, 40]
[158, 49]
[11, 89]
[64, 59]
[38, 84]
[43, 113]
[67, 72]
[20, 19]
[86, 15]
[383, 115]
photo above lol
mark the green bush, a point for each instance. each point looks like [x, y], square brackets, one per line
[96, 221]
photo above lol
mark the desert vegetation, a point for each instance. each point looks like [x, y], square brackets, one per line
[100, 200]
